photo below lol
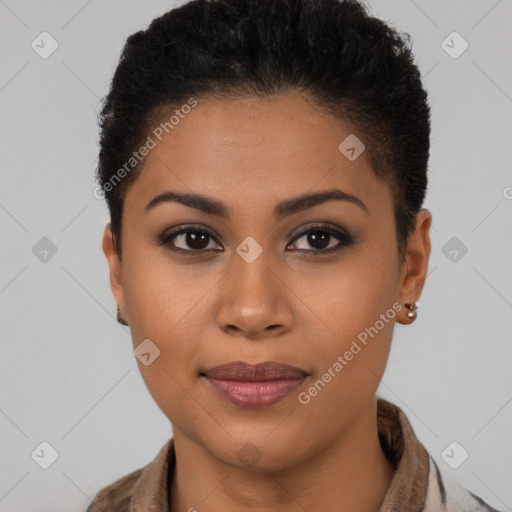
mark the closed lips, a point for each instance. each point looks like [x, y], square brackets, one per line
[254, 385]
[260, 372]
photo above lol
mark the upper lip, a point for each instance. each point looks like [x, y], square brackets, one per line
[267, 370]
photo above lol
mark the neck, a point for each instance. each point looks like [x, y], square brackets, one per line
[351, 474]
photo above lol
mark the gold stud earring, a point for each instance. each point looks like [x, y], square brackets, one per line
[120, 319]
[412, 313]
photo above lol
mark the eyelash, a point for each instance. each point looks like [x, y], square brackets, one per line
[345, 239]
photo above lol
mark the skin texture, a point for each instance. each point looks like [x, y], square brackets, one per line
[291, 304]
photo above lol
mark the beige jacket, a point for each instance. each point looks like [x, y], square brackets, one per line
[417, 485]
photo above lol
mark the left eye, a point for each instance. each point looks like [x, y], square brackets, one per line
[320, 237]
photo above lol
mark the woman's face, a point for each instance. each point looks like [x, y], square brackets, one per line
[252, 285]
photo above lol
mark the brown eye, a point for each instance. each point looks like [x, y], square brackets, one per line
[318, 239]
[196, 239]
[189, 239]
[321, 239]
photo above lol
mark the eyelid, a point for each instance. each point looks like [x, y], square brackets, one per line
[331, 228]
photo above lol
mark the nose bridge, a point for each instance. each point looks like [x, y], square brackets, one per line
[253, 299]
[252, 277]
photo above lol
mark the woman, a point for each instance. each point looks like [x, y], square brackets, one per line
[265, 166]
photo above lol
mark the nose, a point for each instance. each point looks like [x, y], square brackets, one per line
[255, 300]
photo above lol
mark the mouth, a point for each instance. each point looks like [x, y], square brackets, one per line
[254, 385]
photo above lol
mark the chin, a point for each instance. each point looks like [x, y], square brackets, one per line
[258, 453]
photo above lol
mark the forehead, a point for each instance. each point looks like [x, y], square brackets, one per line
[246, 150]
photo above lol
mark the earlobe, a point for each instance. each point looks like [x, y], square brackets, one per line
[114, 264]
[415, 266]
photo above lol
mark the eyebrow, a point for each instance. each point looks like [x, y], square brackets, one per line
[287, 207]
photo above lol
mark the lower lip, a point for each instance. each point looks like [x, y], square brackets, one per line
[255, 394]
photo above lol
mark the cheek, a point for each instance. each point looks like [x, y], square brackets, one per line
[167, 383]
[349, 296]
[159, 293]
[351, 354]
[354, 319]
[167, 304]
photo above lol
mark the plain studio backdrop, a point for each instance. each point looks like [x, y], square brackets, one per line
[68, 375]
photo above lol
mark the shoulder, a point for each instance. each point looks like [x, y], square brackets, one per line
[116, 496]
[143, 489]
[449, 495]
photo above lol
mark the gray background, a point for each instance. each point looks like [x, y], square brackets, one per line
[67, 372]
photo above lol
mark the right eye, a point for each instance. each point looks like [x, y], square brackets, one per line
[189, 239]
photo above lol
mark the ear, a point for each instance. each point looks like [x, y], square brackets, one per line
[415, 266]
[114, 264]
